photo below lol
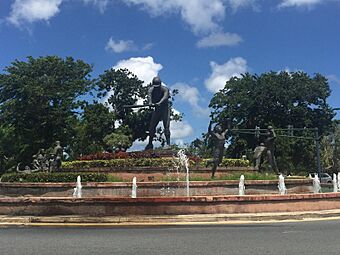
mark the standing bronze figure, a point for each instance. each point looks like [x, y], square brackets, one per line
[258, 156]
[267, 147]
[57, 156]
[218, 136]
[269, 143]
[159, 97]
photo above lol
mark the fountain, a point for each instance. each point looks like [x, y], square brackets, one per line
[335, 183]
[338, 181]
[316, 184]
[184, 163]
[282, 186]
[241, 187]
[134, 188]
[77, 190]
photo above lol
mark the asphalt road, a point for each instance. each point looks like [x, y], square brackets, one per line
[312, 238]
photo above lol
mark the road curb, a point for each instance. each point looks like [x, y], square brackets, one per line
[161, 220]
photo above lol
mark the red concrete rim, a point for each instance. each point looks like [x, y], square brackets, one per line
[192, 199]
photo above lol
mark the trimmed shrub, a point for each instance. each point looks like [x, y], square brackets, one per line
[145, 162]
[54, 177]
[134, 155]
[119, 163]
[229, 162]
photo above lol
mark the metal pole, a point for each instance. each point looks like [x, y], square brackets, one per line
[318, 160]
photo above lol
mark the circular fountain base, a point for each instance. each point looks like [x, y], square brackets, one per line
[109, 206]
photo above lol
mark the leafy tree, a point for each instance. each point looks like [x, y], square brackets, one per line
[95, 123]
[119, 140]
[121, 87]
[40, 100]
[277, 99]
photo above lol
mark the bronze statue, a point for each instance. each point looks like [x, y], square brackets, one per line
[44, 162]
[40, 161]
[267, 147]
[57, 156]
[159, 98]
[258, 156]
[218, 138]
[270, 146]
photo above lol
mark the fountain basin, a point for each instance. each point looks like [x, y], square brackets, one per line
[109, 206]
[154, 189]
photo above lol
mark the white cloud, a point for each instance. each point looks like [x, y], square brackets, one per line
[33, 10]
[236, 4]
[120, 45]
[180, 142]
[100, 4]
[299, 3]
[219, 39]
[192, 96]
[180, 129]
[144, 67]
[333, 78]
[201, 15]
[222, 73]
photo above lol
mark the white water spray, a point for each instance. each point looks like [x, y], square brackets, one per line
[316, 184]
[338, 181]
[282, 186]
[77, 190]
[241, 187]
[134, 188]
[335, 183]
[184, 163]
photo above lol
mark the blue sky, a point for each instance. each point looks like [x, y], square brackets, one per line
[193, 45]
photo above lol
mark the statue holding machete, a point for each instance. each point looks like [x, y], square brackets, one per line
[158, 96]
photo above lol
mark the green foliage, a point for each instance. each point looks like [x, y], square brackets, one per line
[116, 163]
[277, 99]
[250, 176]
[229, 162]
[121, 87]
[144, 162]
[39, 100]
[200, 148]
[97, 122]
[54, 177]
[119, 140]
[115, 178]
[229, 177]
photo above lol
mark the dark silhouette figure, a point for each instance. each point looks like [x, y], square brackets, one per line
[159, 97]
[269, 143]
[267, 147]
[57, 156]
[258, 156]
[218, 139]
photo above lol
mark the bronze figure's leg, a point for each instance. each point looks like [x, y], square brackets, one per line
[152, 128]
[166, 124]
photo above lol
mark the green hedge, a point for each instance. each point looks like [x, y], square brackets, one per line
[231, 162]
[54, 177]
[145, 162]
[159, 162]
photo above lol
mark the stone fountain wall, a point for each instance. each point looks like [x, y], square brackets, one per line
[152, 189]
